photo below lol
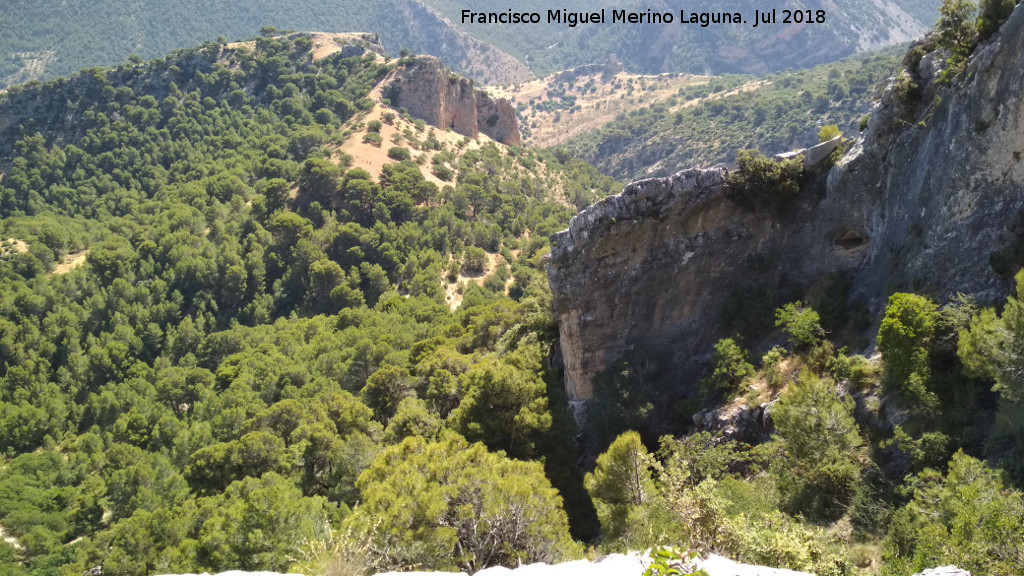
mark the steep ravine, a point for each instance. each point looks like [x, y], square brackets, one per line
[920, 201]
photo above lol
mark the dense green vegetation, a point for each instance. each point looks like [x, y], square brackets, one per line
[256, 366]
[205, 392]
[865, 472]
[707, 124]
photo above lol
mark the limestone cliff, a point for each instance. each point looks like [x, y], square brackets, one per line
[429, 91]
[927, 198]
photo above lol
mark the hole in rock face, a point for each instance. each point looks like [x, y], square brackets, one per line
[850, 239]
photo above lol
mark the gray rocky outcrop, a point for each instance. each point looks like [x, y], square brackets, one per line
[607, 71]
[745, 424]
[925, 200]
[358, 43]
[620, 272]
[443, 99]
[816, 155]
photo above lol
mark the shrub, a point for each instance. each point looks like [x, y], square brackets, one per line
[992, 15]
[729, 367]
[903, 340]
[474, 260]
[454, 505]
[828, 133]
[955, 28]
[908, 90]
[624, 492]
[669, 561]
[399, 153]
[443, 172]
[372, 138]
[494, 284]
[965, 517]
[801, 324]
[374, 126]
[759, 182]
[820, 474]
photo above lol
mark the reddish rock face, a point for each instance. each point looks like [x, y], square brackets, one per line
[431, 92]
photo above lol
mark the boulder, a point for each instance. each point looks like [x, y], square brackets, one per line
[815, 155]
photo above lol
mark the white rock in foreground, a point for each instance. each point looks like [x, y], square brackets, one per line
[611, 565]
[945, 571]
[614, 565]
[235, 573]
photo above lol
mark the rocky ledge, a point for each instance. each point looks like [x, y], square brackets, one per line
[624, 256]
[927, 200]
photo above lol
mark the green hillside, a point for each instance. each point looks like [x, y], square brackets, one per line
[708, 123]
[224, 345]
[206, 318]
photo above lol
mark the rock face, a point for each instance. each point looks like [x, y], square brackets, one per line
[925, 200]
[429, 91]
[620, 272]
[606, 71]
[497, 119]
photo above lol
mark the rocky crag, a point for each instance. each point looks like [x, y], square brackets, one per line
[928, 199]
[429, 91]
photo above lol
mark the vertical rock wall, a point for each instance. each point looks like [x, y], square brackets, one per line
[429, 91]
[926, 199]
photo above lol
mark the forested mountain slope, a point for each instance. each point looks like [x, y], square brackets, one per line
[634, 126]
[211, 323]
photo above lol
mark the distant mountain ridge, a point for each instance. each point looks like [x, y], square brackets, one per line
[50, 38]
[849, 27]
